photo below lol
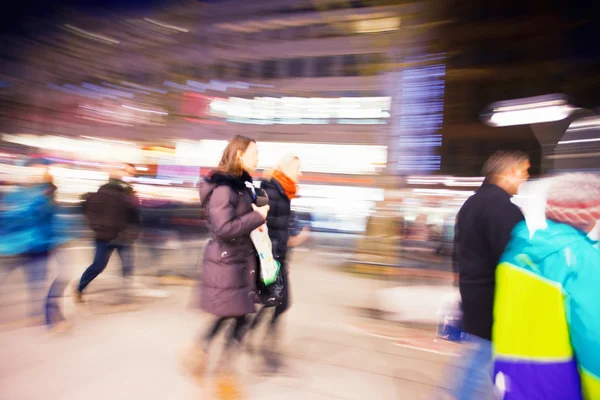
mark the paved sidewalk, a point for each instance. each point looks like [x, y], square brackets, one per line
[332, 351]
[135, 355]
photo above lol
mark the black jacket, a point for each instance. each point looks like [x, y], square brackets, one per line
[279, 219]
[483, 229]
[113, 212]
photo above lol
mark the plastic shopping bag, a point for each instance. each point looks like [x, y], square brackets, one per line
[450, 323]
[269, 267]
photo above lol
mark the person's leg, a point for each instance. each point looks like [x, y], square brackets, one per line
[227, 380]
[7, 266]
[54, 315]
[194, 360]
[257, 318]
[126, 255]
[125, 252]
[249, 334]
[475, 379]
[237, 333]
[36, 269]
[103, 252]
[208, 336]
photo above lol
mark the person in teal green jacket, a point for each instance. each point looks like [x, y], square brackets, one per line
[546, 332]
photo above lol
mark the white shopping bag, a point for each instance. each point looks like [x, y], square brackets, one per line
[269, 267]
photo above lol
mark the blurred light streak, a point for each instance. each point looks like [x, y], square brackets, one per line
[377, 25]
[123, 88]
[165, 25]
[593, 122]
[579, 141]
[108, 91]
[144, 110]
[123, 142]
[443, 192]
[446, 181]
[150, 89]
[104, 121]
[205, 121]
[91, 35]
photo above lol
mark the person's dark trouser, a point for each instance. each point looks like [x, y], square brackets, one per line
[236, 334]
[53, 312]
[104, 250]
[35, 267]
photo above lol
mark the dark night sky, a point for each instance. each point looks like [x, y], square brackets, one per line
[16, 11]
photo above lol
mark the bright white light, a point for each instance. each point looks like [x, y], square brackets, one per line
[325, 158]
[84, 149]
[531, 116]
[143, 110]
[67, 173]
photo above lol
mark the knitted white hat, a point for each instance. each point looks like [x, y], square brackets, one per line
[574, 199]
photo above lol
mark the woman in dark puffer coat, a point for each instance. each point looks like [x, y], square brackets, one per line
[227, 288]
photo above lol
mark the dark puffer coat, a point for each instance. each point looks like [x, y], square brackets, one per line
[278, 219]
[228, 286]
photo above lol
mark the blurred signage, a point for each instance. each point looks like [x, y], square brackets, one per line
[196, 105]
[303, 110]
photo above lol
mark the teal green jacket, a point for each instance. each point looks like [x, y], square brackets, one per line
[546, 332]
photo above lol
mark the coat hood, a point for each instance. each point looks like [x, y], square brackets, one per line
[545, 242]
[216, 178]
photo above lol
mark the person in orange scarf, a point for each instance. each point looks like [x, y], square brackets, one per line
[280, 185]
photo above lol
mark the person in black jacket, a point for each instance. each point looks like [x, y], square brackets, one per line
[113, 215]
[483, 229]
[281, 189]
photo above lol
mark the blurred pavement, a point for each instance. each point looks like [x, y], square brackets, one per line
[333, 350]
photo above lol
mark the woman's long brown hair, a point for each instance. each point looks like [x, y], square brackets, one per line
[230, 162]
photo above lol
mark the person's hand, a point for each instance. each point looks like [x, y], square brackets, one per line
[299, 239]
[263, 211]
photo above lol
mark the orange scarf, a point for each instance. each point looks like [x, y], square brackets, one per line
[288, 185]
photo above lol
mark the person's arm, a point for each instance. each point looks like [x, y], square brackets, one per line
[502, 221]
[455, 251]
[224, 222]
[132, 203]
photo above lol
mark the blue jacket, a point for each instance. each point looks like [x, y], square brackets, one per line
[29, 222]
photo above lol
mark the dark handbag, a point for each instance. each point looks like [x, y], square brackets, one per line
[271, 295]
[262, 199]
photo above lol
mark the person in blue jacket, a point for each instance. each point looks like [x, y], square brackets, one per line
[29, 231]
